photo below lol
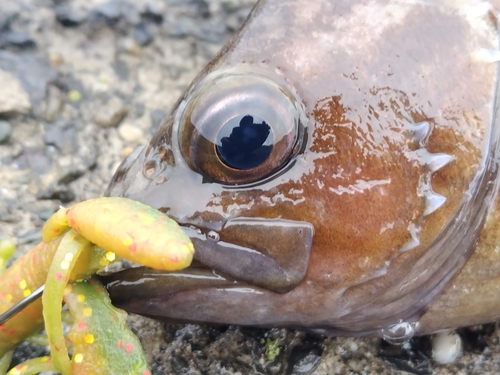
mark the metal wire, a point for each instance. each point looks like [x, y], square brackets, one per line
[21, 304]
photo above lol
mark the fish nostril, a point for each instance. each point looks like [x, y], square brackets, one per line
[160, 180]
[149, 169]
[166, 155]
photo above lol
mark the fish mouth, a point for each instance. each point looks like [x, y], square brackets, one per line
[259, 253]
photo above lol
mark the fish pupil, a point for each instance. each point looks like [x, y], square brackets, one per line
[244, 142]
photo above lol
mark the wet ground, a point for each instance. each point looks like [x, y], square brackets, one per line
[82, 83]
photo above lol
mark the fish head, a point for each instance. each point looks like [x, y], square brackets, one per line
[332, 166]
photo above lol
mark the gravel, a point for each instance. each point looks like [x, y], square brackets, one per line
[5, 131]
[86, 81]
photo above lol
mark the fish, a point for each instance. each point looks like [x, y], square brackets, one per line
[336, 168]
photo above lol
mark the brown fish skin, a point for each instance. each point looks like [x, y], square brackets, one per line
[396, 173]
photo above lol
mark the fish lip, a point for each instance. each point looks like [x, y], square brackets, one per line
[271, 253]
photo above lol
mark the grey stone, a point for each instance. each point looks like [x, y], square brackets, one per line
[121, 69]
[60, 192]
[30, 236]
[236, 18]
[130, 133]
[20, 39]
[108, 13]
[62, 135]
[142, 34]
[139, 109]
[33, 73]
[45, 214]
[6, 19]
[68, 16]
[152, 13]
[111, 12]
[37, 160]
[202, 8]
[157, 116]
[13, 98]
[111, 113]
[5, 131]
[178, 28]
[54, 103]
[130, 12]
[231, 5]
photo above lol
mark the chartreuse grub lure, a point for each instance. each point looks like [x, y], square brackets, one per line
[77, 242]
[128, 228]
[96, 347]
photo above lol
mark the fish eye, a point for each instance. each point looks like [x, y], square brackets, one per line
[240, 128]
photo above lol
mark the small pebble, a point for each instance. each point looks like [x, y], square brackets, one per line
[54, 103]
[178, 28]
[131, 46]
[235, 19]
[68, 16]
[152, 13]
[113, 11]
[157, 116]
[142, 35]
[74, 95]
[179, 364]
[13, 98]
[6, 19]
[61, 192]
[307, 364]
[446, 347]
[139, 109]
[62, 135]
[127, 151]
[5, 131]
[231, 5]
[130, 12]
[16, 150]
[55, 59]
[202, 8]
[121, 69]
[111, 113]
[212, 33]
[38, 159]
[19, 39]
[31, 235]
[34, 73]
[46, 214]
[130, 133]
[108, 13]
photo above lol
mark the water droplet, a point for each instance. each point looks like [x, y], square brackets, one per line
[399, 333]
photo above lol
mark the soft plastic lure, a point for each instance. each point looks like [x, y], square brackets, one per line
[77, 242]
[98, 349]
